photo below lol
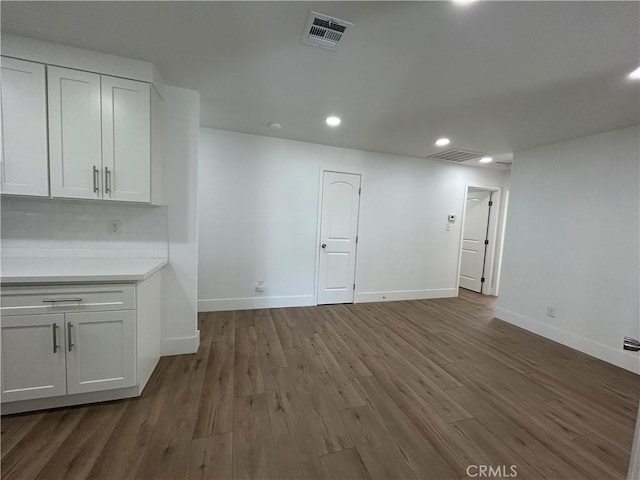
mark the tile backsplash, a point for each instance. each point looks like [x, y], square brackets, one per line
[67, 228]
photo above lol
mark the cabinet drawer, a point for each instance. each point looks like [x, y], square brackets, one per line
[66, 298]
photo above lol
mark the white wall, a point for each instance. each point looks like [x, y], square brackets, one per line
[258, 202]
[572, 243]
[180, 277]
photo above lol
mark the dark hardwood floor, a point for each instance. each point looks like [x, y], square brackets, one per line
[399, 390]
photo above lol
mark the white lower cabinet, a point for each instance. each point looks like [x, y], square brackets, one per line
[100, 351]
[33, 357]
[76, 347]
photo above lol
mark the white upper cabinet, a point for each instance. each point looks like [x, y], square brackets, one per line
[24, 128]
[75, 133]
[126, 139]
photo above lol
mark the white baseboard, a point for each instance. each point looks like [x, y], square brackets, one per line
[179, 345]
[395, 295]
[251, 303]
[627, 360]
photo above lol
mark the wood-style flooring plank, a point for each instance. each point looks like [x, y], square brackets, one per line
[271, 352]
[416, 450]
[31, 454]
[75, 457]
[245, 318]
[295, 451]
[215, 412]
[211, 458]
[378, 452]
[322, 409]
[616, 459]
[248, 378]
[168, 451]
[254, 455]
[122, 455]
[345, 465]
[15, 428]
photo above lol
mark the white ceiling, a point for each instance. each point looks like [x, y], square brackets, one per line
[495, 77]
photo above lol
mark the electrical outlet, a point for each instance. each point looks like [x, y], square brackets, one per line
[260, 286]
[551, 312]
[114, 226]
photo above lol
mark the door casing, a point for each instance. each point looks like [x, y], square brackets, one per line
[321, 173]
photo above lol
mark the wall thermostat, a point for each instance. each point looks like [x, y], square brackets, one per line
[451, 218]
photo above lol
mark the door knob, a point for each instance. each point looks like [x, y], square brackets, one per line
[324, 245]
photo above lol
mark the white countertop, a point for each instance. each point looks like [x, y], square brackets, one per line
[54, 270]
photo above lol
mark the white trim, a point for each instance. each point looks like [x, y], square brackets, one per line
[69, 400]
[316, 279]
[395, 295]
[620, 358]
[179, 345]
[251, 303]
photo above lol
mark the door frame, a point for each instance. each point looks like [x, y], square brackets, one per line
[497, 218]
[316, 277]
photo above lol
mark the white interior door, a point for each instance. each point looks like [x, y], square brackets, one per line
[126, 139]
[24, 128]
[33, 360]
[338, 237]
[101, 350]
[474, 234]
[75, 133]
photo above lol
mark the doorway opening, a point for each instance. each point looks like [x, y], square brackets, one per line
[482, 239]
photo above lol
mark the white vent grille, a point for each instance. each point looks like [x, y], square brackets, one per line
[457, 155]
[325, 32]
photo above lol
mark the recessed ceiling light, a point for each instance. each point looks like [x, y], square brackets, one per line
[635, 75]
[274, 125]
[441, 142]
[464, 2]
[486, 160]
[333, 121]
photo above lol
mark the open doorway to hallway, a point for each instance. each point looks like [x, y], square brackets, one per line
[482, 238]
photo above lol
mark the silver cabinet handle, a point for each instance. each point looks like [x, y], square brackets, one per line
[59, 300]
[69, 337]
[95, 179]
[107, 180]
[56, 345]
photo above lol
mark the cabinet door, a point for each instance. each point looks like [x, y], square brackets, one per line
[101, 351]
[75, 137]
[126, 139]
[24, 128]
[33, 357]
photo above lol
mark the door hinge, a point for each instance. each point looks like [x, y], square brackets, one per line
[490, 203]
[486, 242]
[354, 286]
[356, 239]
[360, 191]
[482, 280]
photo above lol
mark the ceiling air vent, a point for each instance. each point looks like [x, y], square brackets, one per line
[457, 155]
[325, 32]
